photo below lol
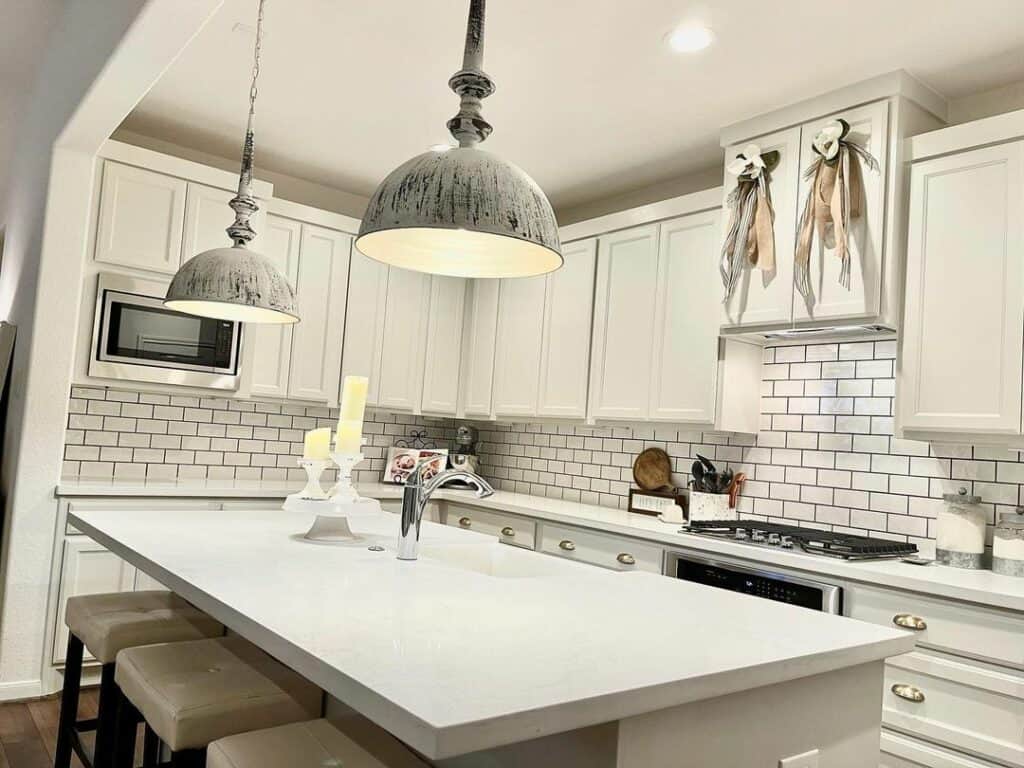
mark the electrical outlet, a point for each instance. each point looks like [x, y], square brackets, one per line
[804, 760]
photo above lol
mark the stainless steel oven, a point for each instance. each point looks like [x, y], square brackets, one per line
[135, 337]
[768, 583]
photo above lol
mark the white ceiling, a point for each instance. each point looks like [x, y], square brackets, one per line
[589, 101]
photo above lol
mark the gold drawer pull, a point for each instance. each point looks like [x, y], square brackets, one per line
[910, 621]
[567, 545]
[626, 559]
[465, 522]
[508, 531]
[908, 692]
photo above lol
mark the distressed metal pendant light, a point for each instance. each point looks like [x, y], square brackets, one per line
[234, 283]
[463, 211]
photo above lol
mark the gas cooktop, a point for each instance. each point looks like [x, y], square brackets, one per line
[811, 540]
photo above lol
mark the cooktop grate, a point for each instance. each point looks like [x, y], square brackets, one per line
[842, 545]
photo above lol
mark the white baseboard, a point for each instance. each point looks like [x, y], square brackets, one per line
[22, 689]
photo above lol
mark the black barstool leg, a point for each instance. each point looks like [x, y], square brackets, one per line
[150, 748]
[126, 724]
[69, 702]
[107, 723]
[188, 758]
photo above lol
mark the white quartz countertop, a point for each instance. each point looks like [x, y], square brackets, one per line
[476, 644]
[982, 587]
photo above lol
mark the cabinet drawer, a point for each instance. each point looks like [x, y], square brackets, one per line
[961, 705]
[959, 628]
[614, 552]
[900, 751]
[507, 528]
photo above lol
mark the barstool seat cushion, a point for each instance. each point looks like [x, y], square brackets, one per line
[107, 623]
[195, 692]
[312, 744]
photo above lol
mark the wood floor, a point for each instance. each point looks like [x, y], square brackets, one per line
[28, 731]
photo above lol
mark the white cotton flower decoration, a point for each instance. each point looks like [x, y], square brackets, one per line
[748, 162]
[826, 142]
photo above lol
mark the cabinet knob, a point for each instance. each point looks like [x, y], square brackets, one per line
[465, 522]
[626, 559]
[508, 531]
[908, 692]
[567, 545]
[909, 621]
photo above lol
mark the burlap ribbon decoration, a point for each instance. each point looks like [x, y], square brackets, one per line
[835, 199]
[750, 237]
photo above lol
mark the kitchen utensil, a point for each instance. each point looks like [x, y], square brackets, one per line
[707, 463]
[697, 470]
[652, 469]
[734, 488]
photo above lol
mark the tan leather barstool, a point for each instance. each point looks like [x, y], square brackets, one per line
[106, 624]
[312, 744]
[194, 693]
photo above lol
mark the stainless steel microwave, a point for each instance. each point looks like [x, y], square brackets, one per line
[137, 338]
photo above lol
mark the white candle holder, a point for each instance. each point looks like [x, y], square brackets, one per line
[343, 491]
[314, 469]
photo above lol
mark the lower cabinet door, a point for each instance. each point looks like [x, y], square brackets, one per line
[615, 552]
[86, 569]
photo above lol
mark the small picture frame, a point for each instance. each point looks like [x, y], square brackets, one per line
[669, 505]
[401, 461]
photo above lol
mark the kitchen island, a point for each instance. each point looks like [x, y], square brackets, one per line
[483, 648]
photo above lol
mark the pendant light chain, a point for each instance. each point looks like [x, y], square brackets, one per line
[244, 206]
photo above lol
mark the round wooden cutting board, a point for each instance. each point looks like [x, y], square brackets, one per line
[652, 469]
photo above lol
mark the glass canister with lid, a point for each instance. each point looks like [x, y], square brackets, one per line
[960, 531]
[1008, 544]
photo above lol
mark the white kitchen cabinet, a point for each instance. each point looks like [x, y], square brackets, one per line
[207, 217]
[86, 569]
[684, 363]
[478, 351]
[961, 371]
[141, 217]
[869, 127]
[766, 298]
[364, 321]
[627, 275]
[402, 355]
[517, 346]
[614, 552]
[321, 289]
[565, 341]
[508, 529]
[269, 346]
[444, 345]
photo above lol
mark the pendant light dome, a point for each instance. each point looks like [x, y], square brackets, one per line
[463, 212]
[234, 283]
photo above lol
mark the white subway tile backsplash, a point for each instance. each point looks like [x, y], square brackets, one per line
[826, 455]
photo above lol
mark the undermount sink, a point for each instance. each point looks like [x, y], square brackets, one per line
[496, 560]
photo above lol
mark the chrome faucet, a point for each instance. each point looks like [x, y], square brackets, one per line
[415, 497]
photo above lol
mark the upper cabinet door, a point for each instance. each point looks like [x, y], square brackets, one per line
[565, 347]
[140, 219]
[364, 321]
[478, 357]
[517, 346]
[405, 332]
[961, 372]
[444, 345]
[321, 292]
[759, 297]
[207, 217]
[684, 363]
[268, 346]
[620, 367]
[869, 127]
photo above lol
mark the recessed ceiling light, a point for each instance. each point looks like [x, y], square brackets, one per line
[689, 38]
[440, 147]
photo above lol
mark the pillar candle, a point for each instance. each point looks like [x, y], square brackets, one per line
[353, 399]
[317, 444]
[349, 437]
